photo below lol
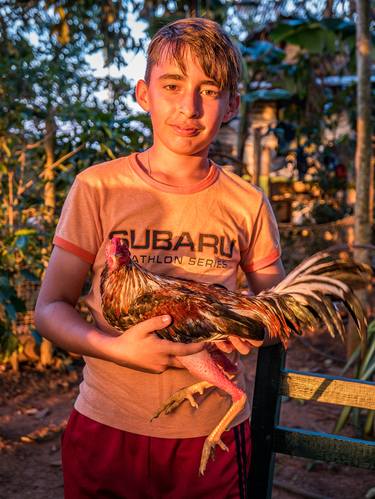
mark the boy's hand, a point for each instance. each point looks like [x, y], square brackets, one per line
[244, 347]
[139, 348]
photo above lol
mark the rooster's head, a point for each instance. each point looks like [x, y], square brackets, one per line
[117, 254]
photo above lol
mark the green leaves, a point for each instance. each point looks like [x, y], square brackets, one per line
[22, 242]
[292, 65]
[8, 343]
[262, 50]
[314, 36]
[8, 297]
[51, 103]
[10, 304]
[29, 276]
[310, 36]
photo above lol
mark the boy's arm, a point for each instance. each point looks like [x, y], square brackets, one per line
[262, 279]
[57, 320]
[265, 279]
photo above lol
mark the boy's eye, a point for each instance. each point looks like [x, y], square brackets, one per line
[210, 92]
[171, 87]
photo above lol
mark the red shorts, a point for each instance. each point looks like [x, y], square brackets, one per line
[102, 462]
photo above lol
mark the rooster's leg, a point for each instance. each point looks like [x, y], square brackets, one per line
[203, 366]
[214, 438]
[184, 394]
[188, 392]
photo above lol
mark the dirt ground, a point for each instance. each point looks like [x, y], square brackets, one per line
[35, 406]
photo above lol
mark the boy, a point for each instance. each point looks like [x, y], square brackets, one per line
[181, 216]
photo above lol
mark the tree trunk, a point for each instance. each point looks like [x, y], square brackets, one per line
[363, 216]
[352, 7]
[46, 347]
[364, 174]
[194, 8]
[328, 11]
[10, 200]
[49, 174]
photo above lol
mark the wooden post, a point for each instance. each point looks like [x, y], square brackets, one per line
[265, 416]
[257, 155]
[265, 167]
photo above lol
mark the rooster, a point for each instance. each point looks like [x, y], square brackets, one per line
[203, 312]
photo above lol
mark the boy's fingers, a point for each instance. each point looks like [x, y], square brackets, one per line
[153, 324]
[160, 322]
[225, 346]
[183, 349]
[255, 343]
[242, 346]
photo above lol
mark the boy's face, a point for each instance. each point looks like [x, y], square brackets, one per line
[186, 110]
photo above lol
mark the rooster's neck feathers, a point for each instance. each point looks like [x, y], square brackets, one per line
[125, 285]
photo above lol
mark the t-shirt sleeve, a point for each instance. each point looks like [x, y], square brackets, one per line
[264, 248]
[79, 230]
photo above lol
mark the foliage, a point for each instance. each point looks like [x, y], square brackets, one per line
[158, 13]
[260, 13]
[365, 370]
[53, 124]
[304, 66]
[294, 61]
[10, 304]
[23, 257]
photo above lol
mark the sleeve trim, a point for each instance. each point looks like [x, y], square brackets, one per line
[264, 262]
[73, 248]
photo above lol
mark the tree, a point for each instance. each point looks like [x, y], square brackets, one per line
[364, 172]
[363, 167]
[52, 125]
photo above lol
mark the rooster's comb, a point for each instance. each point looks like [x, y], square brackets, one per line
[118, 247]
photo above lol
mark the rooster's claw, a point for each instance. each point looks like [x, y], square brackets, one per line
[209, 452]
[184, 394]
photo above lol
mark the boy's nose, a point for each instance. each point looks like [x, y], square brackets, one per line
[190, 105]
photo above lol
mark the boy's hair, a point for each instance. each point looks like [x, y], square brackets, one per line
[213, 48]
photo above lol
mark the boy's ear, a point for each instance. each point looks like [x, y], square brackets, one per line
[233, 105]
[141, 94]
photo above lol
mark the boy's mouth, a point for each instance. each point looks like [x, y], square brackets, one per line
[186, 131]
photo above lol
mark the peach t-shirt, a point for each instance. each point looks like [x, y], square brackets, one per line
[202, 232]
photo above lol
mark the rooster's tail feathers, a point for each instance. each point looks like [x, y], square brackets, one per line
[310, 294]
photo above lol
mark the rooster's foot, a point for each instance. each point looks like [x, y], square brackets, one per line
[209, 451]
[214, 438]
[186, 393]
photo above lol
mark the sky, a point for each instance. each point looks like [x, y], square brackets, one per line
[135, 69]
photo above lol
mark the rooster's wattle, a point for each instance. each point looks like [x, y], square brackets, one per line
[202, 312]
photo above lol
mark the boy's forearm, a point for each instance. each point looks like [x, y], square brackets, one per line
[138, 349]
[60, 323]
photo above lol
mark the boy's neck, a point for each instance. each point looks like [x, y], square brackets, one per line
[174, 169]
